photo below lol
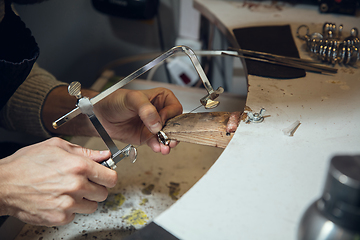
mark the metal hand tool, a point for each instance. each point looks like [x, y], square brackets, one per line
[305, 64]
[208, 101]
[288, 63]
[259, 54]
[86, 108]
[85, 105]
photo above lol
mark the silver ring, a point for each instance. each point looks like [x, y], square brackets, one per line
[298, 32]
[163, 138]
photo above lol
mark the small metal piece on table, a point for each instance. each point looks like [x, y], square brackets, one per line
[289, 131]
[256, 117]
[163, 138]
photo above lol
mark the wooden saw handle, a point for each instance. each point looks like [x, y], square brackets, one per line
[207, 128]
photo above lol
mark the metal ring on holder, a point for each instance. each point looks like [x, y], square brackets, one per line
[298, 32]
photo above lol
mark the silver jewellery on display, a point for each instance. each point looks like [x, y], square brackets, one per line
[330, 46]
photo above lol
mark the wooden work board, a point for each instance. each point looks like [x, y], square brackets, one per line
[206, 128]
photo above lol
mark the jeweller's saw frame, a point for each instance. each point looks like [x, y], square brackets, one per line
[208, 101]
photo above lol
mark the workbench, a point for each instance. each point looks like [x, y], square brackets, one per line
[261, 184]
[264, 180]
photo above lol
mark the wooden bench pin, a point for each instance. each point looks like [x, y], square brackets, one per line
[207, 128]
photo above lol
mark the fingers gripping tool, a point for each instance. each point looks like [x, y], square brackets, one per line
[85, 105]
[86, 108]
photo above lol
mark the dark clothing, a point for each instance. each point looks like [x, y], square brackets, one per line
[18, 53]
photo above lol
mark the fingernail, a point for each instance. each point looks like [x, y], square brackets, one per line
[156, 127]
[105, 152]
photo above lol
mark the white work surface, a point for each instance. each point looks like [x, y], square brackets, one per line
[264, 180]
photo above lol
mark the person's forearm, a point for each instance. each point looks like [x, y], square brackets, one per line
[4, 177]
[59, 103]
